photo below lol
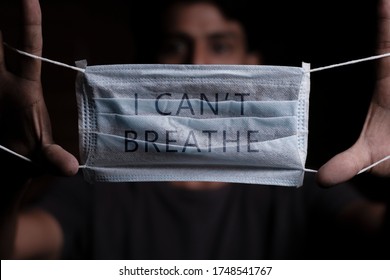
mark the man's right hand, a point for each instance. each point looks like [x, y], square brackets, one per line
[24, 120]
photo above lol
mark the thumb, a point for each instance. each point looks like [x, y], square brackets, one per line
[343, 166]
[59, 161]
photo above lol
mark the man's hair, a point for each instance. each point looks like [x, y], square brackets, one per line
[151, 20]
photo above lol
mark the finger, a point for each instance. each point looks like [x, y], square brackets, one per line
[60, 161]
[32, 39]
[343, 166]
[384, 38]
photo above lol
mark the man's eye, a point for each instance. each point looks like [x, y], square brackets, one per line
[221, 48]
[173, 47]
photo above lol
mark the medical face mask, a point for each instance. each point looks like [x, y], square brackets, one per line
[225, 123]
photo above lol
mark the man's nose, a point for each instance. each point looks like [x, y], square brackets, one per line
[198, 54]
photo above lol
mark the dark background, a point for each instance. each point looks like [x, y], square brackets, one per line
[317, 32]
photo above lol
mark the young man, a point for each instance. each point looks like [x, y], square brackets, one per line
[191, 220]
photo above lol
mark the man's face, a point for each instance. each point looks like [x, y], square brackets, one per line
[199, 34]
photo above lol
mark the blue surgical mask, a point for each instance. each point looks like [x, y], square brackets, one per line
[225, 123]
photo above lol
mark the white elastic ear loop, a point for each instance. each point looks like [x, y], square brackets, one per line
[310, 170]
[15, 154]
[361, 171]
[349, 62]
[45, 59]
[374, 164]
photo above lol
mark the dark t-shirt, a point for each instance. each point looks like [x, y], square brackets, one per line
[158, 221]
